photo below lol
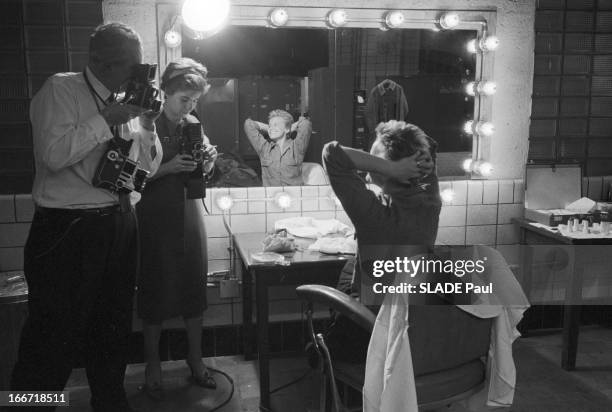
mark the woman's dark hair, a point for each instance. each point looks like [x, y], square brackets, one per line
[402, 139]
[184, 74]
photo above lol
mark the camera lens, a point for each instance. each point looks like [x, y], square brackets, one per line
[198, 156]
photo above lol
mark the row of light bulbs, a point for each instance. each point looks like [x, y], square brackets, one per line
[281, 199]
[284, 200]
[481, 88]
[392, 19]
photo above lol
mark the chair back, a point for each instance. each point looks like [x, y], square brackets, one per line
[444, 337]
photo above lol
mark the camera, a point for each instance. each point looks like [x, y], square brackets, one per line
[117, 172]
[191, 142]
[140, 90]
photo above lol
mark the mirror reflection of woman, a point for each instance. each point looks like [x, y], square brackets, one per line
[174, 258]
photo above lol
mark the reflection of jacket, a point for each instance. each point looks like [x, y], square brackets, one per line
[386, 102]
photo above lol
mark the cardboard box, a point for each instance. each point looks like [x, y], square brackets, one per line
[549, 189]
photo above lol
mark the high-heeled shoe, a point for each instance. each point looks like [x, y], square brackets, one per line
[204, 380]
[153, 390]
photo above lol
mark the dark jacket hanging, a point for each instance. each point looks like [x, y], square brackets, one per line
[386, 102]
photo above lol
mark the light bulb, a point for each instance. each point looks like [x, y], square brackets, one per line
[447, 195]
[485, 129]
[487, 88]
[278, 17]
[468, 127]
[490, 43]
[470, 88]
[283, 200]
[205, 15]
[337, 18]
[449, 21]
[394, 19]
[471, 46]
[467, 165]
[225, 202]
[484, 168]
[172, 39]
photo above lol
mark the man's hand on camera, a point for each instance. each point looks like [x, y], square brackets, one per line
[147, 119]
[418, 165]
[117, 113]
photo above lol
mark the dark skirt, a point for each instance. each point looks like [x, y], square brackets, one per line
[174, 259]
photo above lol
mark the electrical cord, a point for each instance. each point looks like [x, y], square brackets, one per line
[293, 382]
[231, 395]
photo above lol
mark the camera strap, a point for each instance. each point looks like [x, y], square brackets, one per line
[124, 197]
[94, 94]
[96, 97]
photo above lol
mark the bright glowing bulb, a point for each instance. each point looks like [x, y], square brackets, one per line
[449, 21]
[468, 127]
[337, 18]
[467, 165]
[225, 202]
[447, 195]
[487, 88]
[490, 43]
[470, 88]
[172, 39]
[206, 16]
[394, 19]
[471, 46]
[485, 128]
[278, 17]
[283, 200]
[484, 168]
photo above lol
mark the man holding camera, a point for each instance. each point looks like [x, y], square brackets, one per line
[80, 257]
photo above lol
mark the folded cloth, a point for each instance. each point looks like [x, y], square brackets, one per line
[335, 245]
[313, 228]
[278, 242]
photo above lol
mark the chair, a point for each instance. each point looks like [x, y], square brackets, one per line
[313, 174]
[446, 358]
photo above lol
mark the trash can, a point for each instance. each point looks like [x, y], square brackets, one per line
[13, 313]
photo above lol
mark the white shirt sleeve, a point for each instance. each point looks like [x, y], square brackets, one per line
[62, 138]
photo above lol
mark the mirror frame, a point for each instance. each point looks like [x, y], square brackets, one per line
[481, 21]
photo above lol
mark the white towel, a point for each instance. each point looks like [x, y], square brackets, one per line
[389, 384]
[308, 227]
[335, 245]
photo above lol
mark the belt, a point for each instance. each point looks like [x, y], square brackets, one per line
[91, 212]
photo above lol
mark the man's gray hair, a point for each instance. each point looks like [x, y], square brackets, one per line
[110, 43]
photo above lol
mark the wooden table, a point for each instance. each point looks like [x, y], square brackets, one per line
[579, 253]
[305, 267]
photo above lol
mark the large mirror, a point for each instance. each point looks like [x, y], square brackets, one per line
[344, 81]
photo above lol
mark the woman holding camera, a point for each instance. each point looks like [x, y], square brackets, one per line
[174, 260]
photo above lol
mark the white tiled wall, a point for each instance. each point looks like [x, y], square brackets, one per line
[480, 213]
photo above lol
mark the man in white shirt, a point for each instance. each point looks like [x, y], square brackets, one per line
[80, 257]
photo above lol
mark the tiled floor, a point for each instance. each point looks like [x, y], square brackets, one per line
[542, 386]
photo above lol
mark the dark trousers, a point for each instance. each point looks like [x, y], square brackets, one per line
[80, 270]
